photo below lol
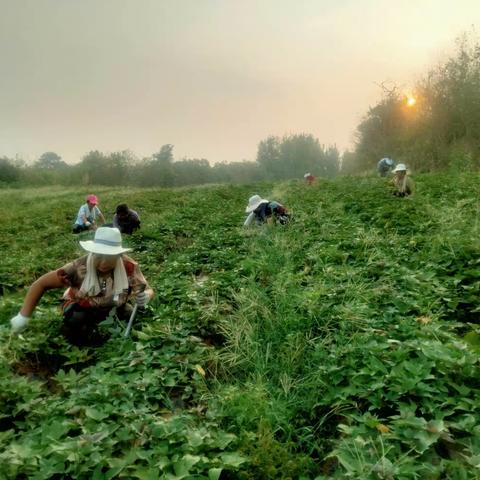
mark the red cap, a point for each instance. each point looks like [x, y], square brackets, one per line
[92, 199]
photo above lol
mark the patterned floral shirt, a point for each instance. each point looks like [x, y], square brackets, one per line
[72, 276]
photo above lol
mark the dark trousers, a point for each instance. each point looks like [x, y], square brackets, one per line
[80, 324]
[79, 228]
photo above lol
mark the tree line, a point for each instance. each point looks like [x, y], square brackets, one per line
[277, 159]
[440, 130]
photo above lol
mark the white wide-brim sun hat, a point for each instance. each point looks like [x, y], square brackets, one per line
[107, 241]
[401, 167]
[254, 202]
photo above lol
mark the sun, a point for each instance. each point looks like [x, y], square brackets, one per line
[411, 101]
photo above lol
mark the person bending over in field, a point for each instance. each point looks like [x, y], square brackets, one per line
[262, 211]
[309, 178]
[403, 184]
[126, 219]
[385, 166]
[95, 283]
[87, 215]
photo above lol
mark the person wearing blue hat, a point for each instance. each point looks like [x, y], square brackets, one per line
[385, 166]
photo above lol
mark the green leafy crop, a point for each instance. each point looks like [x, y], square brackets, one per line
[343, 345]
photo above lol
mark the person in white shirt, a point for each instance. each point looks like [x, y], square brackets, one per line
[88, 214]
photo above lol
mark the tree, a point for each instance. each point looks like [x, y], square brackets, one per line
[8, 171]
[441, 129]
[294, 155]
[191, 171]
[269, 157]
[349, 163]
[238, 172]
[50, 161]
[91, 167]
[158, 169]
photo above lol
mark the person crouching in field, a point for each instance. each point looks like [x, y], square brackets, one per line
[87, 215]
[403, 184]
[385, 166]
[309, 178]
[262, 211]
[96, 283]
[126, 219]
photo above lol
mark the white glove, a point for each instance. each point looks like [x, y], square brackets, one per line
[142, 299]
[19, 322]
[87, 223]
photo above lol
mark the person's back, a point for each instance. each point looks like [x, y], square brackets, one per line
[278, 212]
[126, 219]
[263, 211]
[385, 166]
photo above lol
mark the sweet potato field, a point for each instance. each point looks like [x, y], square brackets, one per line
[343, 345]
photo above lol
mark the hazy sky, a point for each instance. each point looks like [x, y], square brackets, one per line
[212, 77]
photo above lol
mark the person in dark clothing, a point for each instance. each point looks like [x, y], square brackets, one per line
[126, 219]
[263, 211]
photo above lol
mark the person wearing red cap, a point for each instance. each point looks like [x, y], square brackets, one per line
[309, 178]
[88, 214]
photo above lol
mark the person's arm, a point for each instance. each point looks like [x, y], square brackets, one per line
[37, 289]
[100, 216]
[134, 219]
[143, 294]
[148, 292]
[249, 219]
[141, 290]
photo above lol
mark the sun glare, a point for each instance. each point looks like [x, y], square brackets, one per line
[411, 101]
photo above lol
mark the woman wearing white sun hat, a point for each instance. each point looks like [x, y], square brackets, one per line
[404, 185]
[97, 282]
[262, 211]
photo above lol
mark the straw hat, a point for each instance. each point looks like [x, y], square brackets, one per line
[400, 168]
[254, 202]
[107, 241]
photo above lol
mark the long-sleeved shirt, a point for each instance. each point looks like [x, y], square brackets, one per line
[127, 223]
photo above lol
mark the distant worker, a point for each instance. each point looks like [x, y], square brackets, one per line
[404, 185]
[385, 166]
[88, 214]
[126, 219]
[309, 178]
[262, 211]
[103, 279]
